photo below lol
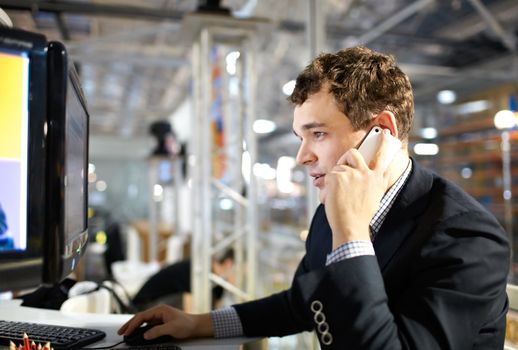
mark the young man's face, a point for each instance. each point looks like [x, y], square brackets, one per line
[325, 133]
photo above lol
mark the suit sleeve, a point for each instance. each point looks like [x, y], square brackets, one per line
[277, 315]
[284, 313]
[453, 290]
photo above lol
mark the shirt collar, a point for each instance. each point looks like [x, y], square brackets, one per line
[388, 200]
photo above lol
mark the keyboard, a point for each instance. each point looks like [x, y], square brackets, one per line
[60, 337]
[154, 347]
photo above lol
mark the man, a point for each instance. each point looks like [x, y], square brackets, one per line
[399, 258]
[170, 284]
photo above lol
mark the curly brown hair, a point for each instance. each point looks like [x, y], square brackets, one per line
[363, 82]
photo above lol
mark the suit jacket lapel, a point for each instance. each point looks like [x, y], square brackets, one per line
[402, 217]
[320, 240]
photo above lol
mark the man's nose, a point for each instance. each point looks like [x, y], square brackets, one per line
[304, 155]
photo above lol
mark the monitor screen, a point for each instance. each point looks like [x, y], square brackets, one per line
[76, 144]
[22, 157]
[14, 107]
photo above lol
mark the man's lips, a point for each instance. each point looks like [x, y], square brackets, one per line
[318, 179]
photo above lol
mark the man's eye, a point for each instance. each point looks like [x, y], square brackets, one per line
[318, 134]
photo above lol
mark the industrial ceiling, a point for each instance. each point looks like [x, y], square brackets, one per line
[135, 66]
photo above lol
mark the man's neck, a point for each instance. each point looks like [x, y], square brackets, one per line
[398, 166]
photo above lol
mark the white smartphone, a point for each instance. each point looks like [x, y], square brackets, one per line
[370, 145]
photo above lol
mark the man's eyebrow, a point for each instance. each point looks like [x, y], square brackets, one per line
[313, 125]
[309, 126]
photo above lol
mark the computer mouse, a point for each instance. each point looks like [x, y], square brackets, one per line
[137, 337]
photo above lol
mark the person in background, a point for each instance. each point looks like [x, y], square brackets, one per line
[171, 283]
[6, 239]
[397, 257]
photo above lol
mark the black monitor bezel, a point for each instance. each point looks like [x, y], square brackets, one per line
[61, 256]
[23, 269]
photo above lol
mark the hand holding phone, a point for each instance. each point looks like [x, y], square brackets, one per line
[371, 142]
[352, 200]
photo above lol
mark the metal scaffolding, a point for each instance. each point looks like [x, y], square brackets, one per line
[316, 36]
[223, 152]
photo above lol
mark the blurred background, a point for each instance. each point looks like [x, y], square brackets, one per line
[141, 68]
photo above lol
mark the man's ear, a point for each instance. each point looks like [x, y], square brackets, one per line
[386, 120]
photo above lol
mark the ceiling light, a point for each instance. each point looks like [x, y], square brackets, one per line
[158, 193]
[231, 60]
[232, 56]
[426, 149]
[428, 133]
[504, 119]
[466, 173]
[157, 190]
[288, 88]
[446, 97]
[473, 107]
[263, 126]
[231, 69]
[226, 204]
[101, 186]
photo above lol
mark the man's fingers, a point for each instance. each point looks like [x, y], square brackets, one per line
[132, 324]
[137, 320]
[122, 329]
[155, 332]
[338, 168]
[127, 328]
[342, 160]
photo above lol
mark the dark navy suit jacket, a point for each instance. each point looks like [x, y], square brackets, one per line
[437, 281]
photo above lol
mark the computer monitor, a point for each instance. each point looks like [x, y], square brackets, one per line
[67, 160]
[43, 162]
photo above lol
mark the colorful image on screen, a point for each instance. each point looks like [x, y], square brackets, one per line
[14, 70]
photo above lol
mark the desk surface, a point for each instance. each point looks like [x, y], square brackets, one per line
[12, 311]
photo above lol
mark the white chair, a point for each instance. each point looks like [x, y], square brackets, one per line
[132, 275]
[98, 302]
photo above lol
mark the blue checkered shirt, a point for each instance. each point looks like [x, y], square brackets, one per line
[226, 321]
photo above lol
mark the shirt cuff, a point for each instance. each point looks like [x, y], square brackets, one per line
[350, 250]
[226, 323]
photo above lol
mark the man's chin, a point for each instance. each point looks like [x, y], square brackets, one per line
[322, 195]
